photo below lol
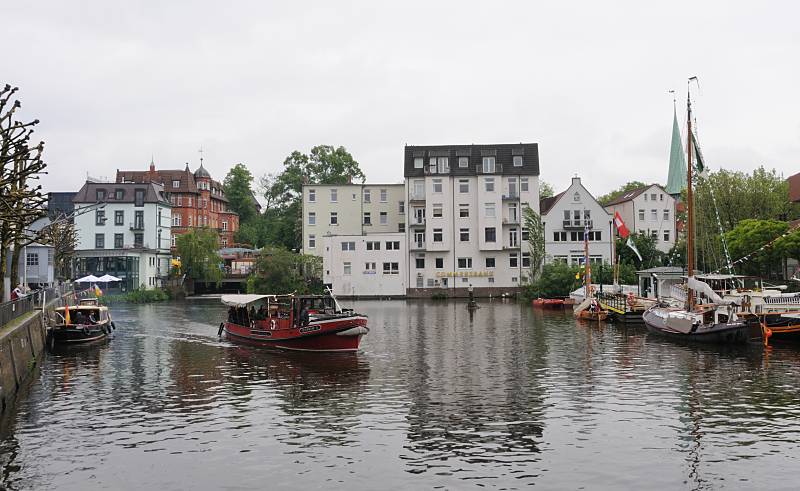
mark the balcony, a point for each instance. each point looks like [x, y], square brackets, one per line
[416, 196]
[511, 247]
[514, 196]
[577, 224]
[137, 226]
[436, 172]
[498, 169]
[417, 222]
[417, 245]
[511, 221]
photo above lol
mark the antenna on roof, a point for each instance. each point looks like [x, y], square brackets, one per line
[201, 155]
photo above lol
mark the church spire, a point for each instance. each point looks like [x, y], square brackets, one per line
[676, 179]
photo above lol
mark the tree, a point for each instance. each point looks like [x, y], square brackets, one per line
[280, 271]
[629, 186]
[239, 193]
[533, 222]
[749, 236]
[198, 250]
[545, 190]
[61, 234]
[646, 245]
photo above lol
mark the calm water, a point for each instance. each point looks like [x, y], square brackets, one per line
[510, 398]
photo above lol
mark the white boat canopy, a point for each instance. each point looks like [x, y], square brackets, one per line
[242, 300]
[88, 279]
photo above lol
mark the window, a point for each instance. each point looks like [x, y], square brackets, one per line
[559, 236]
[419, 162]
[420, 263]
[334, 195]
[312, 241]
[444, 165]
[525, 234]
[653, 197]
[595, 235]
[513, 237]
[32, 259]
[490, 262]
[99, 241]
[437, 185]
[393, 245]
[641, 215]
[118, 241]
[526, 259]
[347, 269]
[312, 195]
[437, 235]
[513, 260]
[654, 215]
[490, 234]
[176, 183]
[401, 207]
[100, 217]
[517, 160]
[312, 218]
[189, 199]
[645, 196]
[100, 194]
[173, 241]
[654, 234]
[666, 214]
[119, 194]
[512, 187]
[367, 218]
[373, 245]
[488, 183]
[419, 189]
[138, 220]
[439, 263]
[666, 235]
[513, 279]
[463, 235]
[432, 165]
[488, 165]
[119, 217]
[437, 210]
[348, 246]
[463, 162]
[523, 184]
[463, 211]
[334, 218]
[465, 263]
[491, 279]
[367, 197]
[401, 227]
[176, 220]
[384, 196]
[225, 225]
[391, 268]
[384, 218]
[139, 197]
[463, 185]
[369, 266]
[489, 210]
[661, 197]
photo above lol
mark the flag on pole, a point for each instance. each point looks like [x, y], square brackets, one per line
[621, 228]
[97, 291]
[630, 244]
[66, 315]
[699, 161]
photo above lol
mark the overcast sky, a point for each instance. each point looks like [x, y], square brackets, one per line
[114, 82]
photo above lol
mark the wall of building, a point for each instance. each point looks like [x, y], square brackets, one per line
[637, 213]
[360, 271]
[42, 272]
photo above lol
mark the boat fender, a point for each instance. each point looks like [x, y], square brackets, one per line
[86, 331]
[221, 328]
[113, 326]
[631, 299]
[746, 303]
[272, 325]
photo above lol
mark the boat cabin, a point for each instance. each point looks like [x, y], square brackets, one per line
[83, 314]
[279, 311]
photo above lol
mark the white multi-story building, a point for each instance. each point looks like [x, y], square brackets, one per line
[350, 209]
[365, 265]
[566, 216]
[650, 210]
[128, 237]
[465, 206]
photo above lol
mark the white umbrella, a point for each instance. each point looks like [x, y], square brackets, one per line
[88, 279]
[107, 278]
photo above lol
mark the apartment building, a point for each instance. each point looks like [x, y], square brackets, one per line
[465, 205]
[350, 210]
[128, 237]
[650, 210]
[365, 265]
[566, 217]
[197, 199]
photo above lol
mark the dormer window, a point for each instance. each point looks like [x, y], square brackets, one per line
[176, 184]
[100, 194]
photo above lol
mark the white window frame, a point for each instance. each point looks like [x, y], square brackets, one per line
[312, 195]
[312, 218]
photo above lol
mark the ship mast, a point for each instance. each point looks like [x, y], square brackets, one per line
[689, 201]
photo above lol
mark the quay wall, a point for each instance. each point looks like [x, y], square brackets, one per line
[22, 345]
[478, 292]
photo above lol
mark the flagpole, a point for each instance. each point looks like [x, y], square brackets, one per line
[689, 200]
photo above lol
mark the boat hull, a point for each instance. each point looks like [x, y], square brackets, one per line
[79, 334]
[341, 334]
[741, 332]
[548, 303]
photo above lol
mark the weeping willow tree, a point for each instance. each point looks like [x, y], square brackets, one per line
[533, 222]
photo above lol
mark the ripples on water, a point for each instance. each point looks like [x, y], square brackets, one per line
[509, 398]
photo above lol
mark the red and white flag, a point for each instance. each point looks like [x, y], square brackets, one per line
[621, 228]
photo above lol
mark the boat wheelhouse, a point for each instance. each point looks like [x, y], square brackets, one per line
[88, 321]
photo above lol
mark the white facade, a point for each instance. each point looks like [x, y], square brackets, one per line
[365, 265]
[350, 209]
[650, 210]
[564, 224]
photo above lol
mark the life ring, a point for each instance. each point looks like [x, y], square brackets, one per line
[631, 299]
[272, 325]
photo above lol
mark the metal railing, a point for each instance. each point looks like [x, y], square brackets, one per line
[34, 300]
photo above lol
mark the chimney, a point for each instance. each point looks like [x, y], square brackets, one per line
[576, 180]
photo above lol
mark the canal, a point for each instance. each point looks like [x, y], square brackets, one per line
[437, 399]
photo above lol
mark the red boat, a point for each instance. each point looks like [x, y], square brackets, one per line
[548, 303]
[293, 322]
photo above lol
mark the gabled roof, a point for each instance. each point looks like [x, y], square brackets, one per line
[629, 195]
[154, 193]
[546, 203]
[165, 177]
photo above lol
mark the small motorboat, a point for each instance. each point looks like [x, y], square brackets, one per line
[293, 322]
[548, 303]
[88, 321]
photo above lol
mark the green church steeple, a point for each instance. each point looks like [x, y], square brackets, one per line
[676, 179]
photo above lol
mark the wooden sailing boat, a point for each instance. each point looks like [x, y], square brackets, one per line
[699, 322]
[589, 309]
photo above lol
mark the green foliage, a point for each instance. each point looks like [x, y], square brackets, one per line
[651, 256]
[280, 271]
[533, 222]
[140, 295]
[762, 195]
[197, 249]
[630, 186]
[239, 193]
[750, 235]
[559, 279]
[545, 190]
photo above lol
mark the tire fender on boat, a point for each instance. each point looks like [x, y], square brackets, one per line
[112, 325]
[221, 328]
[86, 331]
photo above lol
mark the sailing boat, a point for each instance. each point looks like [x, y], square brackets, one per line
[699, 322]
[589, 309]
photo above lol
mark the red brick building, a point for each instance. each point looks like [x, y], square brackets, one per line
[197, 200]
